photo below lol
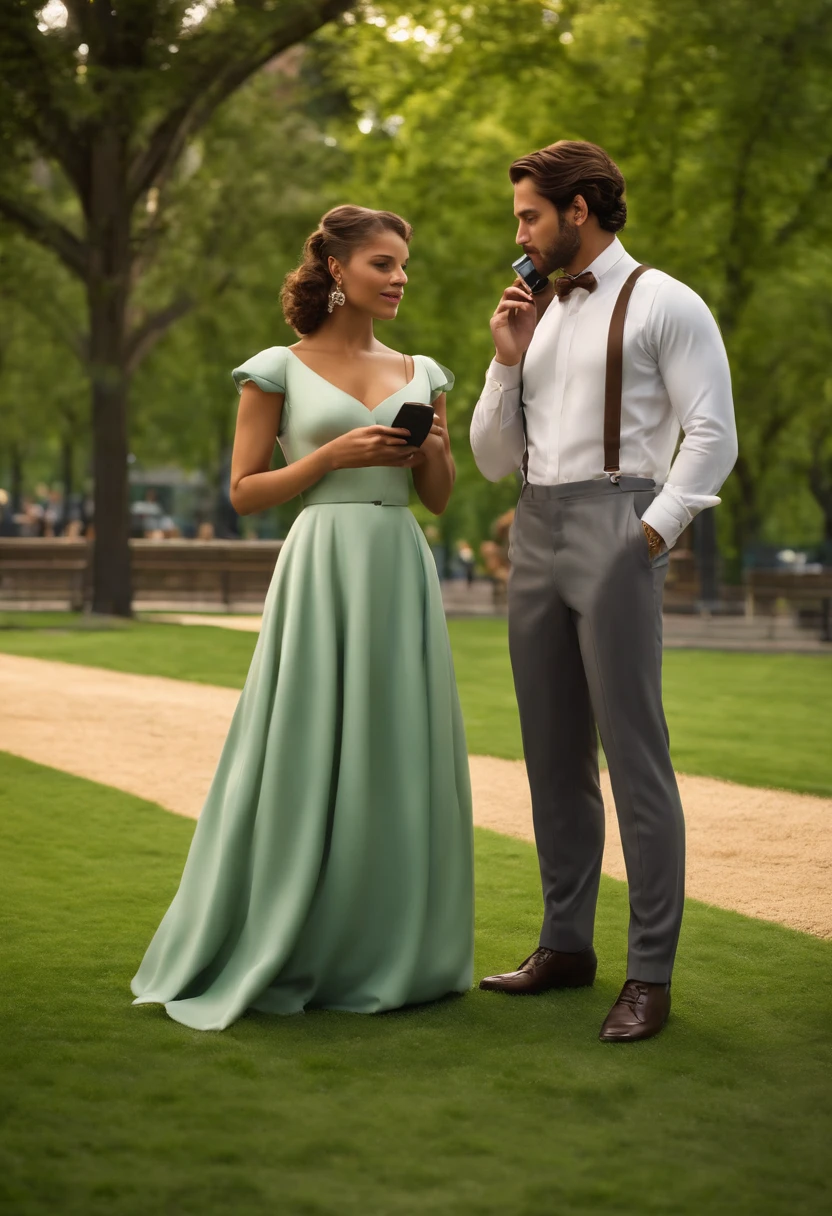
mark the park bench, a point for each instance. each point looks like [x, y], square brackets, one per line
[798, 588]
[41, 573]
[37, 573]
[222, 572]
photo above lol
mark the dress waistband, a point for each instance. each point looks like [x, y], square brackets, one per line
[367, 502]
[583, 489]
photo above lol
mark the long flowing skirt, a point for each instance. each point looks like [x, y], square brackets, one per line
[332, 862]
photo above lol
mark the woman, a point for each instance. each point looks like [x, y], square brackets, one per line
[332, 862]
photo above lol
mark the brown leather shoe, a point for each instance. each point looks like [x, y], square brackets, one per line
[640, 1012]
[546, 969]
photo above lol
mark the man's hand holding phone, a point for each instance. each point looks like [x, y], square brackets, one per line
[513, 323]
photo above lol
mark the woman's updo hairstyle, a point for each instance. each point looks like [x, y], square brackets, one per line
[305, 292]
[575, 166]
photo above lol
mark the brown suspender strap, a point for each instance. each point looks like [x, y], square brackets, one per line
[613, 385]
[525, 463]
[615, 375]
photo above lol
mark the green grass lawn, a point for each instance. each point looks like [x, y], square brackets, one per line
[481, 1104]
[754, 718]
[206, 654]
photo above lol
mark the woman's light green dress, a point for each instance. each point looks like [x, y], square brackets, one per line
[332, 863]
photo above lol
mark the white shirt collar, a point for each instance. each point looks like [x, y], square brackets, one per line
[605, 261]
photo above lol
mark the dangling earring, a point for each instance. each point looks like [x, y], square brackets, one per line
[336, 296]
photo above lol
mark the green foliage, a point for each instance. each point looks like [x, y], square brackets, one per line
[719, 113]
[42, 382]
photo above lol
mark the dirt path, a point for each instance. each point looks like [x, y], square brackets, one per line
[241, 623]
[766, 853]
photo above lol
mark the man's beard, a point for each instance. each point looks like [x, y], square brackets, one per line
[561, 252]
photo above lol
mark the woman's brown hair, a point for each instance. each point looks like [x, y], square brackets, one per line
[571, 167]
[342, 230]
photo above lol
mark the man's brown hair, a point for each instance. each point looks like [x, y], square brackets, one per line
[574, 166]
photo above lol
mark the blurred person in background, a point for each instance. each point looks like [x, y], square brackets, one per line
[7, 524]
[29, 520]
[467, 560]
[53, 513]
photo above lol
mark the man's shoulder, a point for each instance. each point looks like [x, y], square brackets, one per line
[670, 309]
[670, 292]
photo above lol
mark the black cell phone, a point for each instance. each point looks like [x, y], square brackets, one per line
[525, 268]
[417, 418]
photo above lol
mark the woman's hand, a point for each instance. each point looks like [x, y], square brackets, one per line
[368, 446]
[433, 465]
[437, 443]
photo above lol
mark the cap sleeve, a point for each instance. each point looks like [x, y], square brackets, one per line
[441, 379]
[267, 369]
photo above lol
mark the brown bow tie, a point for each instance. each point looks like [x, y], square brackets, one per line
[568, 282]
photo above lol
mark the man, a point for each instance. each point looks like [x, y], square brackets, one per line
[590, 405]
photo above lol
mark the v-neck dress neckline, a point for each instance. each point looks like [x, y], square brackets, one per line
[344, 393]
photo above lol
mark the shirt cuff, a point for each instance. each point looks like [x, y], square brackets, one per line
[507, 377]
[669, 515]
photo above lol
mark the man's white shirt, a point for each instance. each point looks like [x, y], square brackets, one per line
[676, 377]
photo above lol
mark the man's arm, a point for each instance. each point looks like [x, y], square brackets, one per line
[497, 438]
[686, 342]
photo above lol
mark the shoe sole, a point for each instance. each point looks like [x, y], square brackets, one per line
[578, 983]
[639, 1038]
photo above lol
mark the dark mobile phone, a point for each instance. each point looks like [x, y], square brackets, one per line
[525, 268]
[416, 418]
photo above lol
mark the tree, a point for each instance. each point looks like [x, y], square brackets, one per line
[111, 93]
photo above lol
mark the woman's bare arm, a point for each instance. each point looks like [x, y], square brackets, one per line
[434, 471]
[254, 486]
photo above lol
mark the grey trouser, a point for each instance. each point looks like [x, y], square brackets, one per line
[585, 636]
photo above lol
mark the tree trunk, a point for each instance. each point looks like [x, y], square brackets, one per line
[108, 286]
[747, 514]
[820, 485]
[820, 476]
[826, 507]
[112, 588]
[707, 558]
